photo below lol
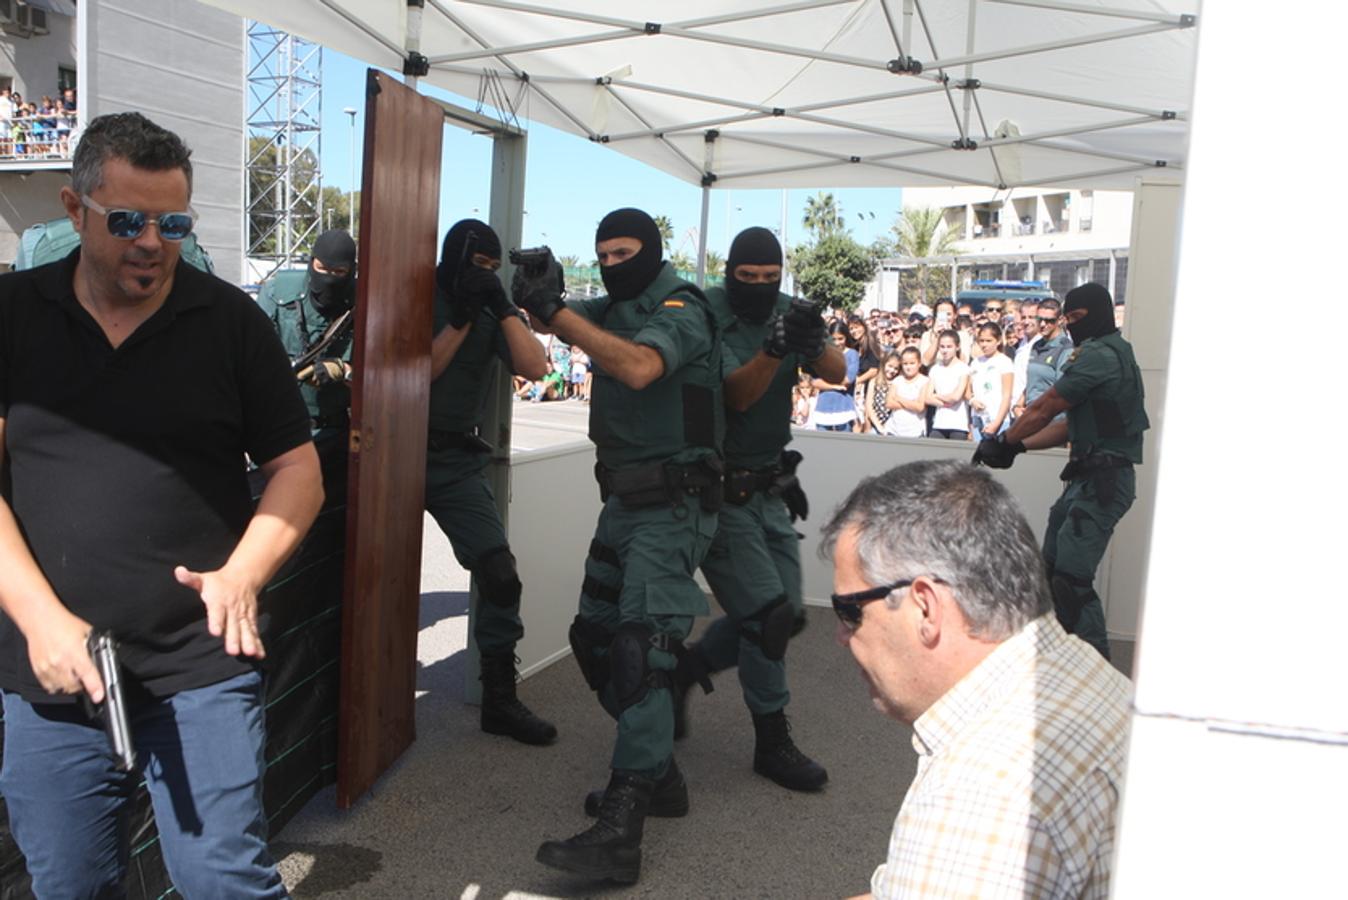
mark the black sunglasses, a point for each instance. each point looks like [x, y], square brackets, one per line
[848, 606]
[129, 224]
[1047, 320]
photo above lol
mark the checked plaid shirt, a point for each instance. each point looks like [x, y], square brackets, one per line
[1018, 778]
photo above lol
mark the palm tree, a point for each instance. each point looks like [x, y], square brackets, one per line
[682, 262]
[715, 264]
[822, 216]
[920, 232]
[569, 262]
[666, 231]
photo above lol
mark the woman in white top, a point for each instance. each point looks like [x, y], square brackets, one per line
[990, 382]
[947, 388]
[906, 398]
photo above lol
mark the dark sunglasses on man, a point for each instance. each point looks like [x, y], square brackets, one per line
[129, 224]
[1047, 321]
[848, 606]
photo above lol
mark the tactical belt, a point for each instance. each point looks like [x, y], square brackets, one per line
[1090, 465]
[742, 484]
[438, 441]
[662, 484]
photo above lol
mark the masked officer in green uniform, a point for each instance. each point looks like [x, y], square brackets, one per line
[656, 420]
[1101, 391]
[307, 305]
[312, 311]
[476, 324]
[753, 566]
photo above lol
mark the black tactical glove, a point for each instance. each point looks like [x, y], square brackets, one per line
[996, 453]
[796, 502]
[328, 371]
[480, 287]
[774, 342]
[460, 313]
[540, 291]
[806, 333]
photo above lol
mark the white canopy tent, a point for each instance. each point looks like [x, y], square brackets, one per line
[835, 93]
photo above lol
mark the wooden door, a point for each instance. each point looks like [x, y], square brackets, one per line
[398, 246]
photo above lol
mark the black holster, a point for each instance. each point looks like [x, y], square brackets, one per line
[662, 484]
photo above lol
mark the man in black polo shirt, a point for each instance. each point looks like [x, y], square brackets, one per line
[131, 386]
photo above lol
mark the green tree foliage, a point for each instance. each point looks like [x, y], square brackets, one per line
[823, 217]
[666, 231]
[715, 264]
[336, 211]
[834, 270]
[920, 232]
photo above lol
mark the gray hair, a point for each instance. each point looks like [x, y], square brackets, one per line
[129, 136]
[955, 522]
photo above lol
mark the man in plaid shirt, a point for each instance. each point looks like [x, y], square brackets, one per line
[1021, 730]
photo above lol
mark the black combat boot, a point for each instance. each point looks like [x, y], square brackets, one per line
[777, 756]
[502, 711]
[611, 848]
[669, 799]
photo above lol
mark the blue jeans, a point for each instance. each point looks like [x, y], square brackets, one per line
[200, 753]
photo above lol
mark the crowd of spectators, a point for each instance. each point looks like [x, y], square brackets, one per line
[947, 371]
[569, 376]
[37, 130]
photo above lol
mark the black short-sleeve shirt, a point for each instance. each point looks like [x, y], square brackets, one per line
[121, 464]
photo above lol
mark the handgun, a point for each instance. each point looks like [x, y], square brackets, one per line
[103, 651]
[533, 260]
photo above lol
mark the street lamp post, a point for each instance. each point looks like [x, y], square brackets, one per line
[351, 194]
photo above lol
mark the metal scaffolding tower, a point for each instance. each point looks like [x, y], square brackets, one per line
[285, 107]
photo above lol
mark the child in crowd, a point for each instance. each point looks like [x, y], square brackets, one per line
[580, 375]
[947, 388]
[877, 395]
[990, 378]
[834, 409]
[802, 400]
[907, 397]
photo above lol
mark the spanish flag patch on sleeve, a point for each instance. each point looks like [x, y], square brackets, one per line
[677, 304]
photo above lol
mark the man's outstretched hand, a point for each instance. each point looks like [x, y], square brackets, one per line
[231, 609]
[996, 453]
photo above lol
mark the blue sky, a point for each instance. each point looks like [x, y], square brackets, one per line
[571, 183]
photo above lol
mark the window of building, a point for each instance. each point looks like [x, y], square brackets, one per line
[65, 79]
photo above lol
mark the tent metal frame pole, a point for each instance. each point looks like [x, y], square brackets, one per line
[707, 178]
[871, 98]
[497, 52]
[1108, 11]
[366, 30]
[644, 121]
[1079, 101]
[1034, 49]
[412, 42]
[686, 126]
[516, 70]
[761, 12]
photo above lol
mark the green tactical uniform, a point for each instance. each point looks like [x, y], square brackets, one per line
[285, 298]
[645, 551]
[1105, 423]
[458, 496]
[754, 560]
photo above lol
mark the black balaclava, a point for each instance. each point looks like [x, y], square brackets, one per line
[629, 278]
[753, 247]
[1099, 318]
[484, 241]
[333, 295]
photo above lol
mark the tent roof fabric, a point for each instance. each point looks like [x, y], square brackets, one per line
[838, 93]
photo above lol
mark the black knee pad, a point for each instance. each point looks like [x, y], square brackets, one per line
[628, 664]
[497, 580]
[777, 622]
[587, 639]
[1070, 596]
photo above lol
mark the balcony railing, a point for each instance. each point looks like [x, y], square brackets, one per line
[35, 138]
